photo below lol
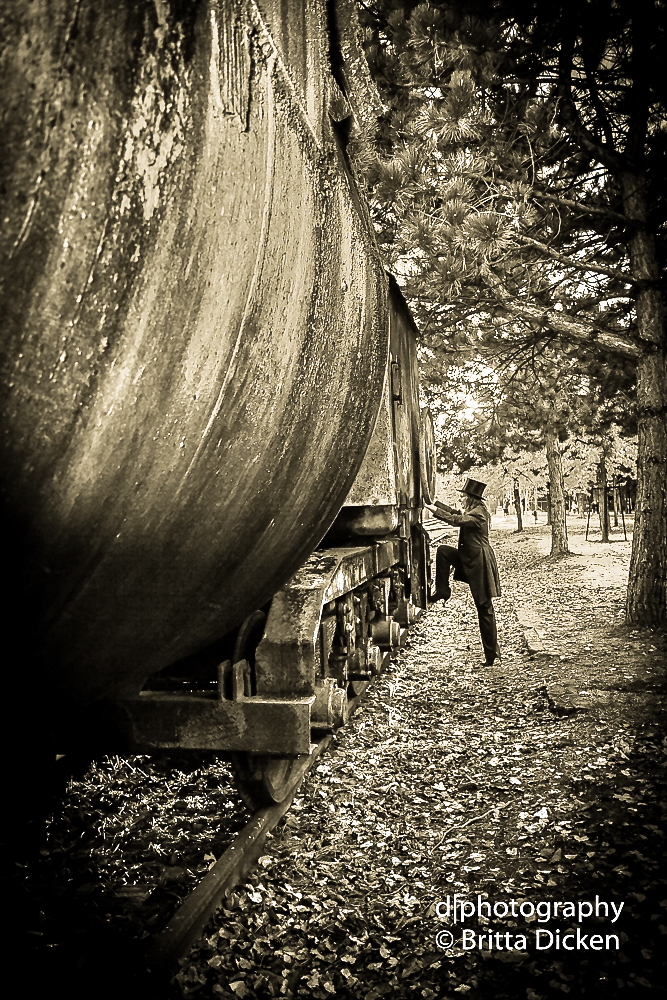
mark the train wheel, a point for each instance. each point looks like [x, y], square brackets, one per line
[373, 665]
[262, 780]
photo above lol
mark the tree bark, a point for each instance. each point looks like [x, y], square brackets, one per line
[603, 505]
[647, 583]
[517, 507]
[559, 546]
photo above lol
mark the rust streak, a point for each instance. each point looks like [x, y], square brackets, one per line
[270, 162]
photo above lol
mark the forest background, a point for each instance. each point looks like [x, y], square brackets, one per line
[516, 184]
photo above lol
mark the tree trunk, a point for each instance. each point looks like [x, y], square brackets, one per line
[517, 507]
[647, 582]
[615, 501]
[559, 545]
[604, 506]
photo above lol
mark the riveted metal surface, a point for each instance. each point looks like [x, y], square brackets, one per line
[195, 332]
[390, 471]
[406, 413]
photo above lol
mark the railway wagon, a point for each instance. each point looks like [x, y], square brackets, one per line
[211, 465]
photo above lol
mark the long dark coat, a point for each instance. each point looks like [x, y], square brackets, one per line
[480, 570]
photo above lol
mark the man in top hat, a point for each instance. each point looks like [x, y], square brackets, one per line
[473, 561]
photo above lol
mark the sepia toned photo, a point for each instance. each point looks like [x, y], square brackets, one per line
[333, 480]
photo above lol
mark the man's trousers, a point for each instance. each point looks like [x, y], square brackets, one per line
[446, 558]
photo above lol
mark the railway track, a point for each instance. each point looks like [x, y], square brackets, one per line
[187, 924]
[194, 913]
[143, 966]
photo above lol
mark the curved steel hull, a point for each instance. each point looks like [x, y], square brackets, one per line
[195, 342]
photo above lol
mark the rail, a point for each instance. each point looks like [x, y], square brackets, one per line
[187, 924]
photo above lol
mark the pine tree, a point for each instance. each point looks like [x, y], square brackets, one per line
[518, 191]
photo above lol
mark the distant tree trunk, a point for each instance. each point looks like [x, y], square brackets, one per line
[559, 545]
[615, 500]
[517, 506]
[604, 505]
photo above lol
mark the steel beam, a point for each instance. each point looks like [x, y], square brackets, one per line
[162, 720]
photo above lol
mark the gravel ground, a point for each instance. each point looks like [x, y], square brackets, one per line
[535, 782]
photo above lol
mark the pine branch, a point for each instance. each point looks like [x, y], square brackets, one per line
[585, 209]
[580, 331]
[610, 272]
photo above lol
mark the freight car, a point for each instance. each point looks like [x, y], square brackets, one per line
[205, 373]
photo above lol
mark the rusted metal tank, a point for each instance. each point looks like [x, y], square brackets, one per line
[195, 329]
[295, 667]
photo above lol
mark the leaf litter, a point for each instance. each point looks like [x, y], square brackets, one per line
[453, 778]
[124, 847]
[456, 778]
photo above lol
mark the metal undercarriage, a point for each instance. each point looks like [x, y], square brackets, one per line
[328, 629]
[328, 632]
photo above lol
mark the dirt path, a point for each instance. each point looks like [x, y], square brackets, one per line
[538, 782]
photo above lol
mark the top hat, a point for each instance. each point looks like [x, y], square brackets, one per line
[473, 488]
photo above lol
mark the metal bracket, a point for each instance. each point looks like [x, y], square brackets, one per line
[288, 657]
